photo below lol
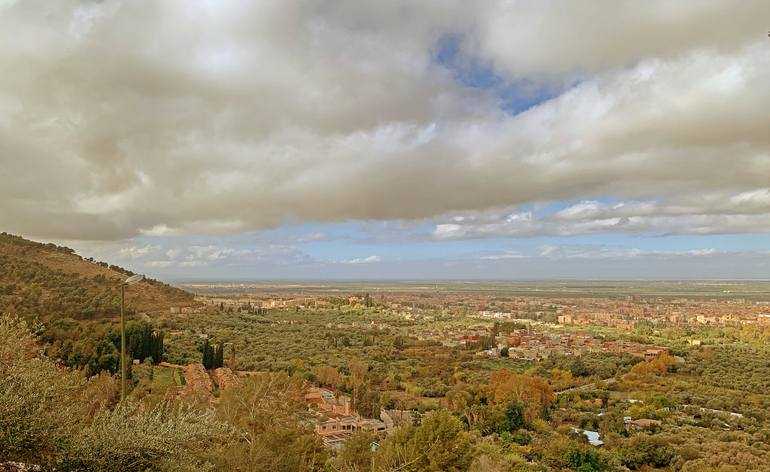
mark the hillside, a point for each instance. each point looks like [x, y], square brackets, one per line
[51, 282]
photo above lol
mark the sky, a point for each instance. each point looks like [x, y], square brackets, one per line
[194, 140]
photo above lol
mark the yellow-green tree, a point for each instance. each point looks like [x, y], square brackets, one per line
[532, 392]
[268, 415]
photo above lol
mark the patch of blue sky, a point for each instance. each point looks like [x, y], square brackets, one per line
[720, 242]
[312, 231]
[337, 249]
[392, 240]
[339, 242]
[514, 96]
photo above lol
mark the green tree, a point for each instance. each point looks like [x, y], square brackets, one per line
[438, 444]
[578, 368]
[644, 449]
[358, 374]
[208, 354]
[135, 438]
[54, 418]
[584, 460]
[356, 454]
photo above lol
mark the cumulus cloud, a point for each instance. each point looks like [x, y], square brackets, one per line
[125, 118]
[530, 37]
[172, 256]
[363, 260]
[134, 252]
[504, 255]
[746, 212]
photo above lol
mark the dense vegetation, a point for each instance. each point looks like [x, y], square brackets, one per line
[705, 410]
[54, 417]
[50, 282]
[489, 415]
[75, 302]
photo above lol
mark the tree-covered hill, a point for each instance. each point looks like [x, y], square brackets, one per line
[50, 282]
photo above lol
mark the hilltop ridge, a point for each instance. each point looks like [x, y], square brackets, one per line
[50, 282]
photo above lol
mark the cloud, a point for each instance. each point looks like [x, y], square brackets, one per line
[134, 252]
[212, 253]
[709, 213]
[593, 252]
[123, 119]
[159, 264]
[177, 255]
[363, 260]
[553, 38]
[247, 260]
[503, 255]
[308, 237]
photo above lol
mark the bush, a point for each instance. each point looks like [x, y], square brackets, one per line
[55, 418]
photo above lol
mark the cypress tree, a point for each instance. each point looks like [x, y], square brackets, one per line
[156, 347]
[160, 346]
[220, 355]
[146, 342]
[206, 354]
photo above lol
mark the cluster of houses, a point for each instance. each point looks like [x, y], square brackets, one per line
[530, 344]
[334, 419]
[628, 312]
[604, 319]
[645, 351]
[525, 344]
[184, 310]
[246, 303]
[621, 313]
[678, 312]
[453, 336]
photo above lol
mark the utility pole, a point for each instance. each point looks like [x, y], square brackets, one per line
[129, 281]
[122, 343]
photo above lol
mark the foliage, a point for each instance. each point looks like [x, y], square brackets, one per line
[438, 444]
[660, 365]
[357, 453]
[38, 402]
[143, 341]
[133, 438]
[532, 392]
[78, 300]
[51, 282]
[267, 413]
[478, 413]
[54, 417]
[645, 449]
[581, 459]
[600, 365]
[213, 356]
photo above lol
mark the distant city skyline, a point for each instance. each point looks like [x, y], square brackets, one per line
[397, 140]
